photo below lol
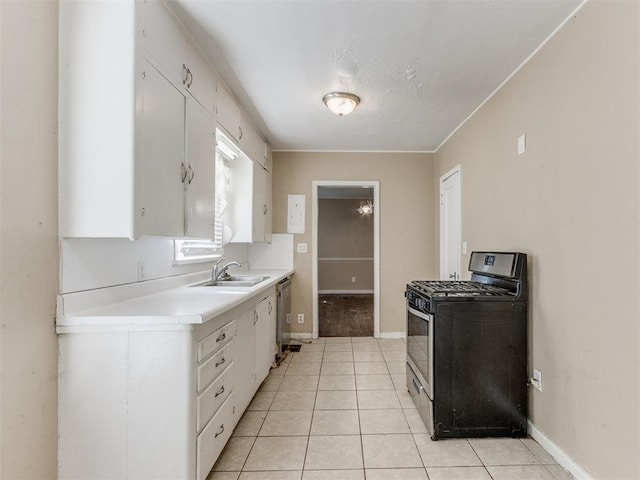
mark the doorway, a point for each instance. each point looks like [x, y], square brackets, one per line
[450, 225]
[346, 258]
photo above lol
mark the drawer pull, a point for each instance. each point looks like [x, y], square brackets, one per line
[221, 337]
[418, 388]
[220, 432]
[220, 362]
[219, 392]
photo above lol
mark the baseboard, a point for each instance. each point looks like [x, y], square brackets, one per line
[558, 454]
[345, 292]
[297, 336]
[393, 334]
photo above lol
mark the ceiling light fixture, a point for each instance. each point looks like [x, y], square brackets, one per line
[341, 103]
[365, 208]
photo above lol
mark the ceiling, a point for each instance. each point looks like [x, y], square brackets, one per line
[420, 67]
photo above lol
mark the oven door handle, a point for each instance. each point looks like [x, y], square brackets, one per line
[417, 313]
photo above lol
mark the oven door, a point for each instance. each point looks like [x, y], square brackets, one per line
[420, 346]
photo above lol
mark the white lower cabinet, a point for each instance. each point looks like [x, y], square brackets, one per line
[214, 437]
[159, 401]
[265, 337]
[246, 359]
[257, 334]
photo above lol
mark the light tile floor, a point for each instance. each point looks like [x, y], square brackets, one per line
[339, 409]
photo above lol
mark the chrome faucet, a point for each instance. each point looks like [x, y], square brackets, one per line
[217, 274]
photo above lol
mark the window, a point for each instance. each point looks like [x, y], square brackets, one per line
[195, 250]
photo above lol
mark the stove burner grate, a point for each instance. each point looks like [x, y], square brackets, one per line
[458, 288]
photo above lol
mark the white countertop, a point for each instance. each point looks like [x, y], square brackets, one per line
[172, 301]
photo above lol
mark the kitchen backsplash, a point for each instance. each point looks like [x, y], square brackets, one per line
[89, 263]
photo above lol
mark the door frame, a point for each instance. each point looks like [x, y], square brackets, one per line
[444, 178]
[375, 185]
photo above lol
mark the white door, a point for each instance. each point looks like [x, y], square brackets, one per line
[450, 225]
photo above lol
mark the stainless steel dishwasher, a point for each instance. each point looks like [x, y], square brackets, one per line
[284, 312]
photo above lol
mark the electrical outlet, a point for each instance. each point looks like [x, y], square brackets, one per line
[353, 279]
[140, 271]
[301, 318]
[288, 318]
[301, 248]
[536, 380]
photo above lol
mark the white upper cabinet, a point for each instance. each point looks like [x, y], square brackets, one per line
[133, 139]
[163, 40]
[267, 157]
[200, 171]
[228, 112]
[251, 143]
[161, 158]
[262, 204]
[165, 43]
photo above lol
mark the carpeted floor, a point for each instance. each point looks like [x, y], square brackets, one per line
[345, 315]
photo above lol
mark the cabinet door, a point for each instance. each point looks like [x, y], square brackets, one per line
[164, 41]
[245, 360]
[159, 184]
[268, 157]
[201, 82]
[259, 203]
[228, 112]
[268, 202]
[201, 146]
[265, 337]
[250, 141]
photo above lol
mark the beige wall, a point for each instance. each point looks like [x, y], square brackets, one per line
[345, 241]
[28, 238]
[571, 202]
[406, 220]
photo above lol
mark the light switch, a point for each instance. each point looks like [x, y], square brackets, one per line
[301, 248]
[521, 144]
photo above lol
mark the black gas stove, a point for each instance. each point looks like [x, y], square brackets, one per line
[494, 277]
[467, 349]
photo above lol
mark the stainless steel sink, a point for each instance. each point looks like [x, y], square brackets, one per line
[234, 281]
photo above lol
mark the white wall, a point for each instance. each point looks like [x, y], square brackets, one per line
[28, 238]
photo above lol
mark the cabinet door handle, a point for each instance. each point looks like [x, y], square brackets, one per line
[219, 432]
[183, 172]
[186, 74]
[240, 129]
[221, 362]
[221, 337]
[193, 174]
[219, 392]
[255, 317]
[270, 308]
[264, 209]
[190, 78]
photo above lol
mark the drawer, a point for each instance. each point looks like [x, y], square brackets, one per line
[216, 340]
[215, 365]
[211, 399]
[213, 438]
